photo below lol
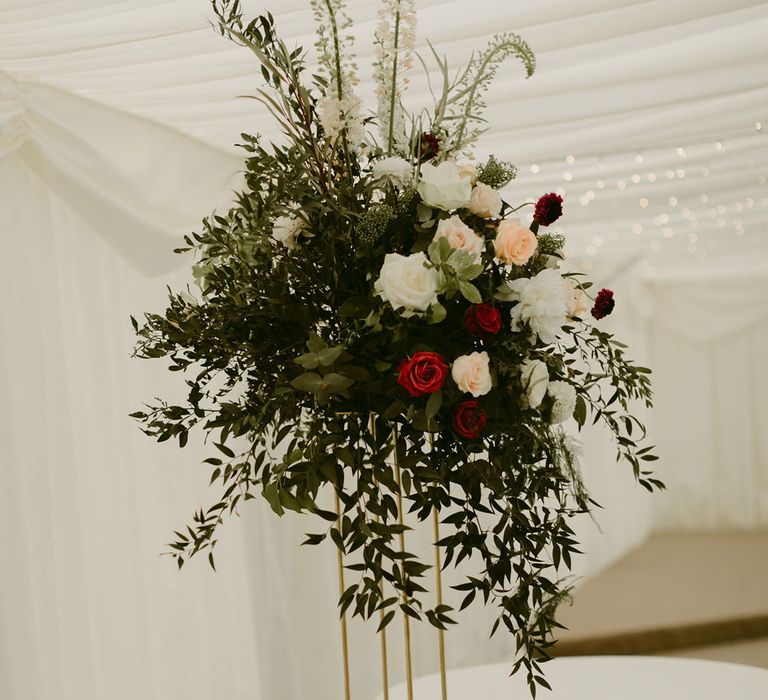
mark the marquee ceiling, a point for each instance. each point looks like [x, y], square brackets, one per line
[650, 116]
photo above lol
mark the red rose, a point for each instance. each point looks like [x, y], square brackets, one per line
[549, 209]
[469, 419]
[429, 146]
[424, 373]
[604, 304]
[482, 319]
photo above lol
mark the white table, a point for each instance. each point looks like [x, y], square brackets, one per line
[602, 678]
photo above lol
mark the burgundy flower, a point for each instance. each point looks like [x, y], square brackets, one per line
[429, 146]
[482, 319]
[549, 209]
[604, 304]
[424, 373]
[469, 419]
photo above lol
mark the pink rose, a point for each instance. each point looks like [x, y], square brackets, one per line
[460, 236]
[485, 202]
[514, 244]
[472, 373]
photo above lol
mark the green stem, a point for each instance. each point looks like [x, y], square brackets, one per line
[336, 50]
[393, 91]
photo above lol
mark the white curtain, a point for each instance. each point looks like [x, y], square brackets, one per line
[116, 125]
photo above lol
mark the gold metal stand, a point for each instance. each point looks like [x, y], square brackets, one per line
[344, 640]
[406, 618]
[439, 590]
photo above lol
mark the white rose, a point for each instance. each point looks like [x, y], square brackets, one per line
[485, 202]
[405, 282]
[541, 304]
[443, 187]
[472, 373]
[396, 170]
[460, 237]
[535, 377]
[286, 230]
[564, 396]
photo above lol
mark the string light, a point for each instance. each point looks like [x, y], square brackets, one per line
[567, 177]
[534, 169]
[570, 159]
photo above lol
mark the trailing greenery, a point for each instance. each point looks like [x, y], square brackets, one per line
[300, 364]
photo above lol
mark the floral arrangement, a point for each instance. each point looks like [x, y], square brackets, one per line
[375, 320]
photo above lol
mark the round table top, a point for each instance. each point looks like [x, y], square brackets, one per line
[602, 678]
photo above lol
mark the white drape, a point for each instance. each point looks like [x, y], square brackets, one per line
[116, 124]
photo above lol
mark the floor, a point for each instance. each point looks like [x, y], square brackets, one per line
[698, 596]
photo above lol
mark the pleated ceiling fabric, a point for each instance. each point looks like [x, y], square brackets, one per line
[661, 106]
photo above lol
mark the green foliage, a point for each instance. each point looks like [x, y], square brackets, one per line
[290, 360]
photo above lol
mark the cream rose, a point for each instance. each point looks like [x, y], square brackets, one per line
[575, 299]
[405, 282]
[396, 170]
[514, 244]
[485, 202]
[564, 400]
[286, 230]
[460, 236]
[443, 187]
[535, 378]
[469, 171]
[472, 373]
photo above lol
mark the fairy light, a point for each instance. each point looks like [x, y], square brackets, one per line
[651, 177]
[639, 158]
[673, 201]
[663, 218]
[600, 184]
[636, 179]
[680, 172]
[643, 202]
[719, 145]
[758, 126]
[534, 169]
[670, 174]
[637, 229]
[621, 184]
[682, 152]
[597, 241]
[590, 250]
[704, 198]
[584, 200]
[570, 160]
[567, 177]
[667, 232]
[720, 209]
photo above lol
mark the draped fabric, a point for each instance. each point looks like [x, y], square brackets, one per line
[118, 121]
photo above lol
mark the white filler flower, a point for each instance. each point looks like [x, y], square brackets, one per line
[541, 304]
[396, 170]
[443, 187]
[406, 282]
[286, 230]
[535, 377]
[564, 396]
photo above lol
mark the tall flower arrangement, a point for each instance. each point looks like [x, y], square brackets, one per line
[372, 308]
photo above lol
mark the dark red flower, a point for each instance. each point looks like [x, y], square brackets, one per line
[549, 209]
[482, 319]
[424, 373]
[429, 146]
[604, 304]
[469, 419]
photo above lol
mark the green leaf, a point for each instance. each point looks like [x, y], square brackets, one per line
[433, 404]
[309, 381]
[470, 292]
[436, 313]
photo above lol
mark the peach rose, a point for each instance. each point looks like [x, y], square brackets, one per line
[514, 244]
[460, 236]
[485, 201]
[472, 373]
[468, 170]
